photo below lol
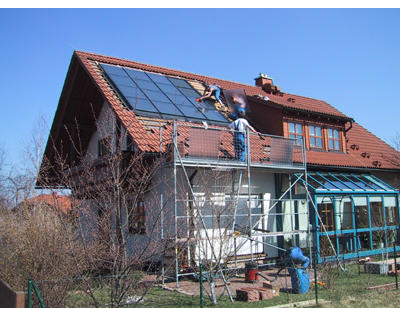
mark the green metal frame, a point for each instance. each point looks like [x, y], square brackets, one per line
[378, 188]
[32, 284]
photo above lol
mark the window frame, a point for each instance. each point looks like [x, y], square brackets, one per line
[315, 136]
[296, 135]
[137, 218]
[338, 140]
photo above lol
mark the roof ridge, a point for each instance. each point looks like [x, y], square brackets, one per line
[172, 70]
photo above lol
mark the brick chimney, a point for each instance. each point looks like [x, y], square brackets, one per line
[267, 84]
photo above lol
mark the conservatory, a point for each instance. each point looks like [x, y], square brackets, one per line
[357, 214]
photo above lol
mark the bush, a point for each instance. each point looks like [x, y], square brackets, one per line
[40, 244]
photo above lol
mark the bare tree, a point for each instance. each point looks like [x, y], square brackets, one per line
[116, 196]
[213, 210]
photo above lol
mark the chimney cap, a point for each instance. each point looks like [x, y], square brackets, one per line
[263, 75]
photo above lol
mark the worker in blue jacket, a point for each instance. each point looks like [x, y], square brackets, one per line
[211, 90]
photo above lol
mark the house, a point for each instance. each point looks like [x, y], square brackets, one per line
[315, 174]
[54, 202]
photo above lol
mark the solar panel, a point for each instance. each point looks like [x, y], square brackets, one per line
[160, 96]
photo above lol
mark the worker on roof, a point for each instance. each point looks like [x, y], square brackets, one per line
[240, 126]
[211, 90]
[240, 106]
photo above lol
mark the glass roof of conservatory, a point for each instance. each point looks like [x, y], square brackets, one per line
[345, 182]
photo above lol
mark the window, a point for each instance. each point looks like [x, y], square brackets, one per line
[137, 219]
[391, 210]
[326, 212]
[315, 136]
[104, 146]
[296, 132]
[333, 139]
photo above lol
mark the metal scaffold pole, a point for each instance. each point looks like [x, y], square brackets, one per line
[176, 153]
[249, 194]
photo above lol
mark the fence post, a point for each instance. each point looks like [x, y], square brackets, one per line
[315, 268]
[395, 261]
[31, 284]
[201, 285]
[29, 293]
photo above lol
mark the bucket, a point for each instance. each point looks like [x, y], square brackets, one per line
[300, 280]
[251, 270]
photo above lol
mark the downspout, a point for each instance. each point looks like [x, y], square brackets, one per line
[350, 127]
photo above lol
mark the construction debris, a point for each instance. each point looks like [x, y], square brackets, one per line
[255, 294]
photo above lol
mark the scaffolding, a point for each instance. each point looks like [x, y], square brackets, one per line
[200, 147]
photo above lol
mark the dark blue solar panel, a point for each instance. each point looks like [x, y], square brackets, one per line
[160, 96]
[180, 83]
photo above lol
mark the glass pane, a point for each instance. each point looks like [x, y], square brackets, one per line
[169, 89]
[131, 91]
[191, 111]
[330, 133]
[167, 108]
[376, 206]
[146, 84]
[326, 212]
[361, 211]
[214, 115]
[159, 78]
[291, 127]
[337, 145]
[346, 243]
[314, 183]
[391, 211]
[155, 95]
[179, 100]
[134, 74]
[374, 183]
[348, 183]
[124, 80]
[364, 241]
[325, 245]
[338, 184]
[141, 104]
[312, 142]
[336, 134]
[391, 236]
[326, 183]
[378, 239]
[299, 140]
[113, 70]
[344, 214]
[331, 146]
[312, 131]
[318, 131]
[319, 143]
[299, 129]
[293, 136]
[180, 83]
[190, 93]
[359, 182]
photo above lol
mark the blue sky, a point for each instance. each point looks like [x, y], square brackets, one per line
[347, 57]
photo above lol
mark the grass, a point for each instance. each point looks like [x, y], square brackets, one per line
[347, 289]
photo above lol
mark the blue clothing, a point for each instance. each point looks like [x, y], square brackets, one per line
[296, 256]
[238, 109]
[216, 91]
[234, 115]
[239, 143]
[239, 140]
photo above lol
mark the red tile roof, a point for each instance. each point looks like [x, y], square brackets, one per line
[149, 140]
[61, 203]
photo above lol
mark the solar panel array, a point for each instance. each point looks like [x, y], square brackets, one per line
[159, 96]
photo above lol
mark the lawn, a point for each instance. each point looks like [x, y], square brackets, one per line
[347, 289]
